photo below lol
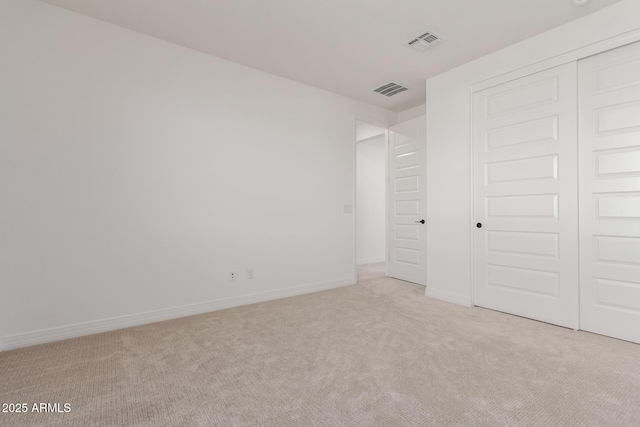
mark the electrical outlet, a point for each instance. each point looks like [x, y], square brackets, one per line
[249, 273]
[232, 276]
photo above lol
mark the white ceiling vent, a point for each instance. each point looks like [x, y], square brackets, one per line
[424, 41]
[390, 89]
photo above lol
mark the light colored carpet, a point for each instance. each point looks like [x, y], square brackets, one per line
[376, 353]
[371, 271]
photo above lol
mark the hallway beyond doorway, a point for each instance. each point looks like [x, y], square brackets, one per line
[370, 271]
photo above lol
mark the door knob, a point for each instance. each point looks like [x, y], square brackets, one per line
[422, 221]
[479, 225]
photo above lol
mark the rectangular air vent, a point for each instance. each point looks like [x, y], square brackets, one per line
[424, 41]
[390, 89]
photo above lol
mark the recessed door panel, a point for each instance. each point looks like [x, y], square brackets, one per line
[407, 231]
[618, 75]
[614, 163]
[407, 256]
[407, 184]
[538, 130]
[617, 295]
[407, 160]
[518, 243]
[617, 206]
[406, 207]
[522, 280]
[536, 206]
[618, 118]
[617, 250]
[521, 97]
[523, 169]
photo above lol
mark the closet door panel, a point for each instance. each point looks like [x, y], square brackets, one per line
[609, 133]
[525, 197]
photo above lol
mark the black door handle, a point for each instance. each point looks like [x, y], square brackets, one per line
[479, 225]
[422, 221]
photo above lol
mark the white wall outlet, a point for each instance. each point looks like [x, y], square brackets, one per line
[249, 273]
[232, 276]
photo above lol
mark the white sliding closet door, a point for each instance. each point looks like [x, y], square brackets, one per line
[525, 197]
[609, 99]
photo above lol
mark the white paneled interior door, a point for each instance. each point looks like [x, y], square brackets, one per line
[609, 129]
[525, 197]
[408, 201]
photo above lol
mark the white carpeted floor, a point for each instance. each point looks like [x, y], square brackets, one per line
[376, 353]
[371, 271]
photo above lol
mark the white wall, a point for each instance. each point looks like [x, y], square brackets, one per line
[411, 113]
[371, 157]
[366, 130]
[135, 174]
[448, 139]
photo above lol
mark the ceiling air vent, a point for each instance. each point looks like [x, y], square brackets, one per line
[390, 89]
[424, 41]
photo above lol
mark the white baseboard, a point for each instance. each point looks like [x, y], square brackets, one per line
[88, 328]
[362, 261]
[464, 300]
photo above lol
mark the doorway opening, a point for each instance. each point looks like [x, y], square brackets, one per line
[371, 200]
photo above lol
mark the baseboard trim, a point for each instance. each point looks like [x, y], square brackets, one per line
[448, 297]
[370, 260]
[98, 326]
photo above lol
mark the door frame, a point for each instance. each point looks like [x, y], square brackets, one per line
[385, 126]
[567, 57]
